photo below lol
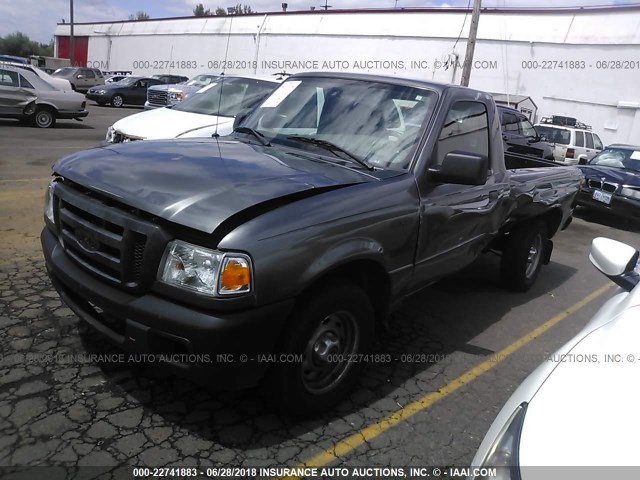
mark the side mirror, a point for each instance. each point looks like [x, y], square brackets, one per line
[79, 76]
[461, 168]
[533, 139]
[616, 260]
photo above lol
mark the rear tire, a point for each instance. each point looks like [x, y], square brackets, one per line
[523, 256]
[327, 330]
[44, 118]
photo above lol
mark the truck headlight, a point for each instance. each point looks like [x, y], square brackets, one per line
[110, 134]
[206, 271]
[178, 96]
[48, 201]
[504, 452]
[630, 192]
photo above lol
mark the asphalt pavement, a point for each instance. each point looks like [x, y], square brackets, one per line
[66, 400]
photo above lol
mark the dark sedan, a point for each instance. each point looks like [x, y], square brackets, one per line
[131, 90]
[612, 181]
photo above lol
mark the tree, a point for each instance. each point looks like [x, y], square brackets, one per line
[21, 45]
[139, 15]
[243, 9]
[199, 11]
[220, 11]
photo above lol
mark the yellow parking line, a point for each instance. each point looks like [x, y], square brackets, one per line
[367, 434]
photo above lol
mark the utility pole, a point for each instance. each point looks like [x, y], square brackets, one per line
[471, 43]
[72, 47]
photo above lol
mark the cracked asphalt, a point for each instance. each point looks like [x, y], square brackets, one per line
[66, 401]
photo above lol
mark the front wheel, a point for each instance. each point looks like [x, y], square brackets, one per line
[44, 118]
[117, 101]
[327, 332]
[523, 256]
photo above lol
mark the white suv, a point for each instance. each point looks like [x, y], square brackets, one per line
[572, 144]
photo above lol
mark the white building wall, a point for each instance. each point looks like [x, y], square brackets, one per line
[414, 44]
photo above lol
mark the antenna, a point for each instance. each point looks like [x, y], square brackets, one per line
[226, 52]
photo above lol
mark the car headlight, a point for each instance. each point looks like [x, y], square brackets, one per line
[176, 96]
[101, 92]
[206, 271]
[630, 192]
[48, 201]
[111, 132]
[504, 453]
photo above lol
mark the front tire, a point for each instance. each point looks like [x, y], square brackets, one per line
[44, 118]
[328, 330]
[523, 256]
[117, 101]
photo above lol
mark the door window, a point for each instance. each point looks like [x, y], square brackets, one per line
[8, 78]
[579, 139]
[509, 122]
[465, 129]
[589, 139]
[597, 143]
[24, 83]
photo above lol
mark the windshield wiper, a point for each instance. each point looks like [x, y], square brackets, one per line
[261, 138]
[332, 147]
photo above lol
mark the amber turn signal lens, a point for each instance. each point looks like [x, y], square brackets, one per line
[235, 276]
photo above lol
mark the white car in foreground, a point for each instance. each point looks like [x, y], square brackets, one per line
[209, 111]
[579, 408]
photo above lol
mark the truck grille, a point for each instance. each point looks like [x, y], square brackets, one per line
[601, 185]
[157, 97]
[109, 242]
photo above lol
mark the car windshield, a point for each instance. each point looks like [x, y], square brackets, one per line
[554, 135]
[127, 81]
[64, 71]
[227, 98]
[377, 123]
[202, 80]
[625, 158]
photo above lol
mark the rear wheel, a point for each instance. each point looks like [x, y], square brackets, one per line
[523, 256]
[326, 331]
[117, 101]
[44, 118]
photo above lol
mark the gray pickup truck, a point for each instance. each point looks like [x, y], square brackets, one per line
[274, 255]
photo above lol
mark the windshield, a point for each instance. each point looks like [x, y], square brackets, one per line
[64, 71]
[554, 135]
[202, 80]
[127, 81]
[378, 123]
[627, 159]
[227, 98]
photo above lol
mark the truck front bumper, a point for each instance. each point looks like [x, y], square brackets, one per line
[227, 349]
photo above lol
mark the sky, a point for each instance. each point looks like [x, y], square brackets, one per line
[38, 18]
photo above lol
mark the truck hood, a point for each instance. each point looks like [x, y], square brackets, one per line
[168, 123]
[586, 413]
[201, 183]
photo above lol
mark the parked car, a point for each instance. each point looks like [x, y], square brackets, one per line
[81, 79]
[28, 98]
[59, 83]
[298, 234]
[167, 95]
[210, 110]
[573, 142]
[579, 408]
[128, 91]
[520, 136]
[612, 181]
[171, 79]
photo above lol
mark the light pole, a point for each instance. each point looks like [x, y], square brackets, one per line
[471, 43]
[72, 53]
